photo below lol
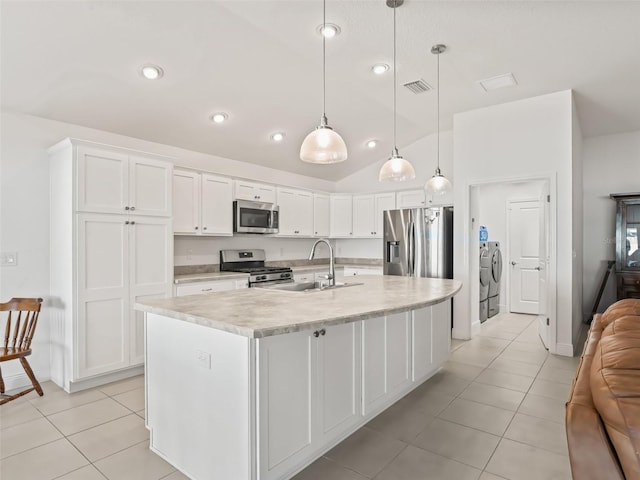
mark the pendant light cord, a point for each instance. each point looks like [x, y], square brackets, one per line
[438, 107]
[324, 56]
[395, 145]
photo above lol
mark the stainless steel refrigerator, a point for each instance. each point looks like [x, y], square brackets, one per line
[418, 242]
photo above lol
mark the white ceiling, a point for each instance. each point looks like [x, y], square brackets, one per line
[261, 61]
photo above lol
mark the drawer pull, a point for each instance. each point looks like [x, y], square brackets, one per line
[206, 289]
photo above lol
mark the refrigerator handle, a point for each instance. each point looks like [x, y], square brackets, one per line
[412, 253]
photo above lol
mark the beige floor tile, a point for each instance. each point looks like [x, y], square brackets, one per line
[566, 363]
[457, 343]
[477, 415]
[122, 386]
[515, 367]
[462, 370]
[535, 358]
[517, 461]
[111, 437]
[142, 413]
[498, 333]
[13, 413]
[325, 469]
[479, 358]
[426, 399]
[538, 432]
[526, 347]
[27, 435]
[457, 442]
[545, 388]
[366, 451]
[492, 395]
[553, 374]
[543, 407]
[60, 400]
[446, 383]
[400, 422]
[134, 463]
[87, 416]
[133, 399]
[415, 463]
[511, 381]
[490, 476]
[85, 473]
[43, 463]
[176, 476]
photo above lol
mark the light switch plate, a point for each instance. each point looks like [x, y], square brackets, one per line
[203, 359]
[8, 259]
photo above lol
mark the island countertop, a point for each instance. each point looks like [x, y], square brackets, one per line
[262, 312]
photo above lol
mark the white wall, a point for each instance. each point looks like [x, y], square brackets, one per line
[611, 164]
[528, 138]
[576, 232]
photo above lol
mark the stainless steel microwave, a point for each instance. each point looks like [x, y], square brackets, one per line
[255, 217]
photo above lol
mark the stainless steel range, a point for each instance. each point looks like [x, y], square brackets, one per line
[252, 262]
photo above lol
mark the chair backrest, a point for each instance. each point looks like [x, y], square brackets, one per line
[23, 314]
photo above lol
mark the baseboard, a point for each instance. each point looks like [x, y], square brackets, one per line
[104, 379]
[19, 381]
[564, 349]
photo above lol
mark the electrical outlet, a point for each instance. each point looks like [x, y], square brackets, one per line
[203, 359]
[8, 259]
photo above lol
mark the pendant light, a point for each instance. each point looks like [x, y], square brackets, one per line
[438, 184]
[396, 169]
[323, 145]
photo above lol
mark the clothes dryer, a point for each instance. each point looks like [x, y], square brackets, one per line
[485, 267]
[494, 278]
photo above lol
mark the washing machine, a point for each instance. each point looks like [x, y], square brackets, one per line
[485, 266]
[495, 274]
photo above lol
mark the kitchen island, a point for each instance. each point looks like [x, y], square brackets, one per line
[257, 383]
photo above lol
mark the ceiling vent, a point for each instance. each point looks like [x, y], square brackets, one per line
[501, 81]
[418, 86]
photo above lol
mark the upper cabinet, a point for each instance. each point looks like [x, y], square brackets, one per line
[296, 212]
[115, 181]
[410, 199]
[202, 204]
[368, 211]
[255, 192]
[321, 215]
[341, 216]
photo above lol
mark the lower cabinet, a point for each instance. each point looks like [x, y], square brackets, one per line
[308, 394]
[194, 288]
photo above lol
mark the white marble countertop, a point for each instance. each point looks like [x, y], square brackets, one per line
[261, 312]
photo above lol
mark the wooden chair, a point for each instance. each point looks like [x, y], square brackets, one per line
[17, 340]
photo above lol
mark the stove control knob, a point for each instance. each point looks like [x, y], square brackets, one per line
[285, 275]
[262, 277]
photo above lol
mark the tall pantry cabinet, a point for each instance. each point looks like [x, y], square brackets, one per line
[111, 246]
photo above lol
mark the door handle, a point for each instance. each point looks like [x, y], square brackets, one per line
[538, 268]
[514, 263]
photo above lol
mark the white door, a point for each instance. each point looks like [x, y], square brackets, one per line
[186, 202]
[216, 205]
[543, 270]
[524, 256]
[320, 215]
[102, 330]
[363, 215]
[103, 181]
[384, 201]
[338, 380]
[149, 186]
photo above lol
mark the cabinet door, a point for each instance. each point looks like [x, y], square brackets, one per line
[149, 186]
[103, 180]
[441, 331]
[102, 322]
[363, 215]
[255, 192]
[288, 214]
[410, 199]
[383, 201]
[338, 380]
[398, 352]
[287, 371]
[186, 202]
[206, 287]
[422, 337]
[320, 215]
[305, 213]
[151, 272]
[217, 205]
[341, 220]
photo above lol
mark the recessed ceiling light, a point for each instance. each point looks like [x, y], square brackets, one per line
[372, 143]
[329, 30]
[277, 137]
[151, 72]
[493, 83]
[219, 117]
[380, 68]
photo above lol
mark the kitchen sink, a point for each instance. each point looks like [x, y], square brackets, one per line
[308, 286]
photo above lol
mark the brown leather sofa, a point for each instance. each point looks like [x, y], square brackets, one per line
[603, 410]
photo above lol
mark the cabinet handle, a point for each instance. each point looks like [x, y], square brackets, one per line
[316, 233]
[316, 334]
[206, 289]
[132, 208]
[133, 223]
[126, 208]
[322, 332]
[196, 227]
[127, 222]
[204, 228]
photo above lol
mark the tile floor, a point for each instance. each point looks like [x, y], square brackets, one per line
[496, 411]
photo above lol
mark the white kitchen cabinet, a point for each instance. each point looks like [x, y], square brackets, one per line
[103, 261]
[321, 215]
[304, 277]
[341, 222]
[431, 333]
[110, 180]
[410, 199]
[254, 192]
[296, 212]
[351, 271]
[367, 213]
[202, 204]
[386, 360]
[308, 396]
[193, 288]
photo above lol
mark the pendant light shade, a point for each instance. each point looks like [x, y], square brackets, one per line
[396, 169]
[438, 184]
[323, 145]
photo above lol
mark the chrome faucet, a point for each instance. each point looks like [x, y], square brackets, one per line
[332, 266]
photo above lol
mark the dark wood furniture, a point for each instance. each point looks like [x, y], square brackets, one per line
[627, 244]
[21, 324]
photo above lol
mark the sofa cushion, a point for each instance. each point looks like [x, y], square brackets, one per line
[628, 306]
[615, 387]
